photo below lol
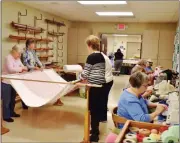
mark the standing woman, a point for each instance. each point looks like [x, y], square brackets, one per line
[12, 65]
[97, 70]
[31, 60]
[118, 60]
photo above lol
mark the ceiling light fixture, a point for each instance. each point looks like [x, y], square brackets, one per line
[118, 35]
[101, 2]
[114, 13]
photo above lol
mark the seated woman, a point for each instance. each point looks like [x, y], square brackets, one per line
[12, 65]
[133, 106]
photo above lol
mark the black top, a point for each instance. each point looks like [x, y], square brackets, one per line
[94, 70]
[118, 56]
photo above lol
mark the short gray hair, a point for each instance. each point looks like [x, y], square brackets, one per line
[137, 79]
[16, 48]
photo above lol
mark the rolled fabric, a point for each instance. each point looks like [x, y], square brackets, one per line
[128, 141]
[154, 131]
[134, 129]
[174, 130]
[155, 136]
[131, 136]
[168, 137]
[145, 132]
[72, 68]
[148, 140]
[111, 138]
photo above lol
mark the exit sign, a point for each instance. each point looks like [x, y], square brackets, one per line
[121, 26]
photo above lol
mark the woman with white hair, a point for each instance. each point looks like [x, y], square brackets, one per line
[12, 65]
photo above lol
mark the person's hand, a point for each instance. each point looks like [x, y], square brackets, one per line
[36, 68]
[41, 69]
[165, 106]
[25, 69]
[159, 109]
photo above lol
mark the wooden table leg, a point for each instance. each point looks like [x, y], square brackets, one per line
[87, 119]
[3, 129]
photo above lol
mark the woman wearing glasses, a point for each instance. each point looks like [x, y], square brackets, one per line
[133, 106]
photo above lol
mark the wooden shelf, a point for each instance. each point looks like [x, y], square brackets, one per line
[23, 27]
[25, 38]
[45, 57]
[42, 49]
[55, 33]
[55, 22]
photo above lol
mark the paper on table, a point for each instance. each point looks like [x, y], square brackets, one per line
[36, 94]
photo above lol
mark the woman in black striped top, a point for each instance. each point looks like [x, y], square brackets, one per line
[97, 70]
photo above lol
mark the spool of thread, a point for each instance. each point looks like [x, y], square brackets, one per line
[148, 140]
[140, 137]
[131, 136]
[128, 141]
[154, 131]
[162, 129]
[134, 129]
[155, 136]
[145, 132]
[168, 137]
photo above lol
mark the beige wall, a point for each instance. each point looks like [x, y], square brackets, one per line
[133, 28]
[9, 14]
[138, 28]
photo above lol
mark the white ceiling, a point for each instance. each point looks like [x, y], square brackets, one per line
[144, 11]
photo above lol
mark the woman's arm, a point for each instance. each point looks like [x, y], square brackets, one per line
[25, 62]
[151, 105]
[10, 67]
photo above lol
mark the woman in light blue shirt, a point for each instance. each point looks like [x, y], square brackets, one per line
[132, 105]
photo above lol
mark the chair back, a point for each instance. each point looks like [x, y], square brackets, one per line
[117, 119]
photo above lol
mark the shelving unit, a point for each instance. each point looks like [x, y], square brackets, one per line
[59, 49]
[27, 28]
[20, 38]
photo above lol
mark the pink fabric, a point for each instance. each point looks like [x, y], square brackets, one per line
[111, 138]
[12, 66]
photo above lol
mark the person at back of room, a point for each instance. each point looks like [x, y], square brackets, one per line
[118, 61]
[133, 106]
[31, 60]
[148, 67]
[12, 65]
[97, 70]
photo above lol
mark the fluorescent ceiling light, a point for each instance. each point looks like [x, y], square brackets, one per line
[114, 13]
[102, 2]
[118, 35]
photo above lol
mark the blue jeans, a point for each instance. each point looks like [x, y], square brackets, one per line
[8, 95]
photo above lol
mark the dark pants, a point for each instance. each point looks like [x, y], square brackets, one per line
[8, 95]
[98, 99]
[117, 66]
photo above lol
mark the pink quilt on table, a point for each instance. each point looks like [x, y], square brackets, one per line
[36, 94]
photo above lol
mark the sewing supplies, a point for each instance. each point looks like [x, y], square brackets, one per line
[134, 129]
[128, 141]
[131, 136]
[148, 140]
[145, 132]
[154, 131]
